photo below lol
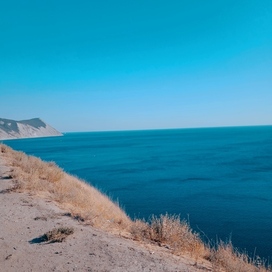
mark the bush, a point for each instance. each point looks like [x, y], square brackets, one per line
[169, 231]
[57, 235]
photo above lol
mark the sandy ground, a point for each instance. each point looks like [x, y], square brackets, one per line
[24, 218]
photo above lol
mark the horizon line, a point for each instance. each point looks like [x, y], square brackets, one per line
[174, 128]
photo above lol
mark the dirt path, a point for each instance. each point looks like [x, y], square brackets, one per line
[25, 218]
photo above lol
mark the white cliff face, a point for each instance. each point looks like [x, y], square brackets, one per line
[10, 129]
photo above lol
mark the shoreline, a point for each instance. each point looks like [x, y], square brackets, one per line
[31, 137]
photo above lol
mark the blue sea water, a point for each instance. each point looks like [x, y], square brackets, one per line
[218, 178]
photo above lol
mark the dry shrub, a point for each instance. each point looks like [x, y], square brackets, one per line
[230, 259]
[140, 230]
[57, 235]
[171, 232]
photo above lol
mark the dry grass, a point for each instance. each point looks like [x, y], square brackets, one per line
[57, 235]
[230, 259]
[169, 231]
[80, 199]
[4, 148]
[88, 204]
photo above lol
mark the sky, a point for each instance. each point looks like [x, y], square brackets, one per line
[122, 65]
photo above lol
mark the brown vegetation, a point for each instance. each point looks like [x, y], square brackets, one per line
[80, 199]
[170, 232]
[230, 259]
[84, 202]
[57, 234]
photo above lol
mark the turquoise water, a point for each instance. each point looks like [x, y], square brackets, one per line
[219, 178]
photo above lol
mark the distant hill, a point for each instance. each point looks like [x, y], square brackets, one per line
[11, 129]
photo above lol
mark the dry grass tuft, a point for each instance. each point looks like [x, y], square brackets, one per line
[169, 231]
[230, 259]
[57, 235]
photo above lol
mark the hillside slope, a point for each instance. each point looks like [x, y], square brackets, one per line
[11, 129]
[25, 218]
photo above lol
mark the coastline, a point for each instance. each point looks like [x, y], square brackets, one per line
[29, 137]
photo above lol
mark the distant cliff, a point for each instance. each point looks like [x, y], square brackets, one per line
[10, 129]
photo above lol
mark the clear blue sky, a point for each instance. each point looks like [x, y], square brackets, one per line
[117, 65]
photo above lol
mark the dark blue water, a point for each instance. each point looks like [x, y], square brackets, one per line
[219, 178]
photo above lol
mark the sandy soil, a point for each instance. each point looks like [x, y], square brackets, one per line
[24, 218]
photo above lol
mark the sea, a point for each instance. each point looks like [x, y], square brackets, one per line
[219, 179]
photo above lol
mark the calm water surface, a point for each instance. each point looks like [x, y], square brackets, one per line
[219, 178]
